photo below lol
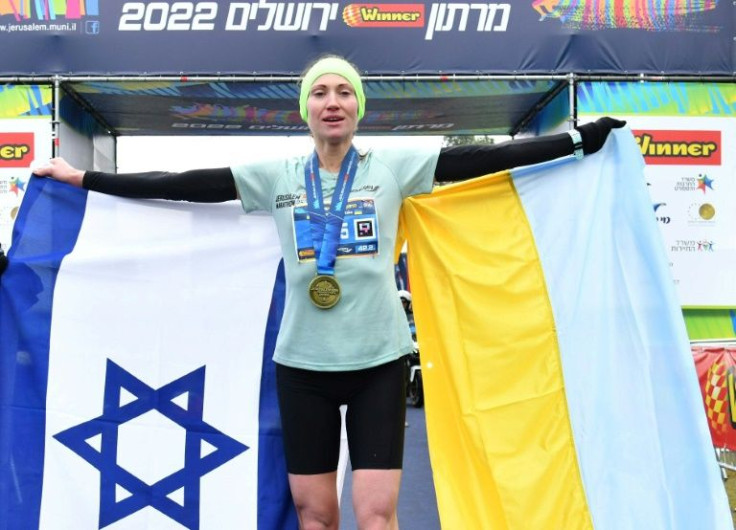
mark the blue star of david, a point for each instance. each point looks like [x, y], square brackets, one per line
[148, 399]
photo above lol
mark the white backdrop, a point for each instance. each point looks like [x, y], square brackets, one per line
[181, 153]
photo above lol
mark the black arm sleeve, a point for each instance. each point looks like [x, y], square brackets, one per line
[468, 161]
[3, 261]
[198, 185]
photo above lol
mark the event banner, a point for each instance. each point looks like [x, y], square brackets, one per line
[716, 367]
[276, 37]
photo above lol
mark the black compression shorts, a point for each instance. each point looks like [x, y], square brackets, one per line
[309, 402]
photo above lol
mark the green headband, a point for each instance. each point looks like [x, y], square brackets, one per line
[331, 65]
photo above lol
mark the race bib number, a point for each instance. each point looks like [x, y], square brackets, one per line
[358, 236]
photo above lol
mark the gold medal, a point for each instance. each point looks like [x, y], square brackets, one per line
[324, 291]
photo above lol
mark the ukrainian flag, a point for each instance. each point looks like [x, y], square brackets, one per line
[560, 388]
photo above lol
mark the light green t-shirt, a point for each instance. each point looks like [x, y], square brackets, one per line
[368, 326]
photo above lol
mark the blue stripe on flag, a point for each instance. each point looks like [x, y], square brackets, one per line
[275, 506]
[25, 325]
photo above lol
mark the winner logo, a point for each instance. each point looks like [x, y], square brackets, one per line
[16, 149]
[384, 15]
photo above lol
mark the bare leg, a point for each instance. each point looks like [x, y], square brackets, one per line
[375, 498]
[315, 498]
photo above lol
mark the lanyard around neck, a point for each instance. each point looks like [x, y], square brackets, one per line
[326, 225]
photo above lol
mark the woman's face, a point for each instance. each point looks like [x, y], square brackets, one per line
[332, 109]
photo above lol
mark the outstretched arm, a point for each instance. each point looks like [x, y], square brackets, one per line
[464, 162]
[198, 185]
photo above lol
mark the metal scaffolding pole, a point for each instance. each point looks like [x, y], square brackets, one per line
[56, 121]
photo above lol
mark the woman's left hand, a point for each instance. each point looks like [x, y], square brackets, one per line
[594, 134]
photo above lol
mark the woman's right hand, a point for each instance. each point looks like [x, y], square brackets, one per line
[59, 169]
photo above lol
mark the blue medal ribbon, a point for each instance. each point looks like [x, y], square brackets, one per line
[326, 225]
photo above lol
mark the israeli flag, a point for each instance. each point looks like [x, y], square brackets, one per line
[136, 386]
